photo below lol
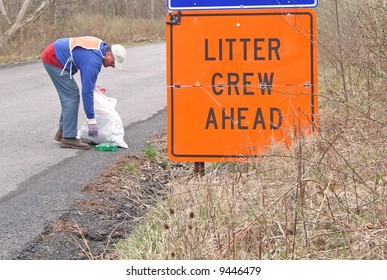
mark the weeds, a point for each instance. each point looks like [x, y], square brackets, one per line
[324, 197]
[130, 167]
[151, 153]
[334, 209]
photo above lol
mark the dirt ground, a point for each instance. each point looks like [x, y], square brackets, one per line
[116, 202]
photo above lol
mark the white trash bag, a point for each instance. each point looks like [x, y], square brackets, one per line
[110, 127]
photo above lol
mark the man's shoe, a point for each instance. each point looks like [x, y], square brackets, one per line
[73, 143]
[59, 135]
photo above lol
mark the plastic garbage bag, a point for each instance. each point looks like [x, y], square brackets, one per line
[110, 127]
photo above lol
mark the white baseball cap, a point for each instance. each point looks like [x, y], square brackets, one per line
[119, 54]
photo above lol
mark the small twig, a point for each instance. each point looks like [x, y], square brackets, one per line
[110, 236]
[87, 252]
[243, 232]
[280, 228]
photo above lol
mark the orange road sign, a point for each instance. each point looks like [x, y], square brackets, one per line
[239, 80]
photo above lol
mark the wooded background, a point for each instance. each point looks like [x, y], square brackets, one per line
[42, 21]
[62, 9]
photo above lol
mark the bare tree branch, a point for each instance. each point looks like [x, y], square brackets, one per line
[36, 14]
[4, 12]
[21, 21]
[21, 14]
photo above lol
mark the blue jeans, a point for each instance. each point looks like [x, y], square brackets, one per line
[69, 97]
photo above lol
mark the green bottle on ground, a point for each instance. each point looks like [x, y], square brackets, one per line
[107, 147]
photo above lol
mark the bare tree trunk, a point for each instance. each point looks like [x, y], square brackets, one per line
[152, 9]
[21, 21]
[135, 8]
[127, 8]
[4, 12]
[342, 69]
[55, 15]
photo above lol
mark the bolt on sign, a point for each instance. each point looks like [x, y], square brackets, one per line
[239, 80]
[238, 4]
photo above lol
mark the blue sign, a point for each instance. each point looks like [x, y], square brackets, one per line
[238, 4]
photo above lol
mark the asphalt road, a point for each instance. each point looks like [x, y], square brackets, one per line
[38, 179]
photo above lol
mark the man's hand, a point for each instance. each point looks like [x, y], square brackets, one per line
[93, 127]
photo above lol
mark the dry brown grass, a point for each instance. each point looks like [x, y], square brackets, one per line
[322, 198]
[117, 29]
